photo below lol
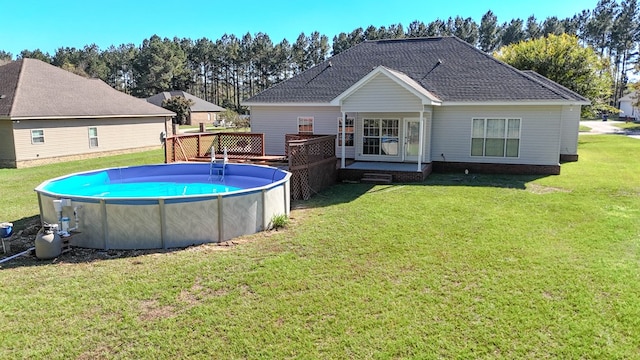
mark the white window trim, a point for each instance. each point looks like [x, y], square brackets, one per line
[352, 132]
[306, 118]
[380, 119]
[506, 118]
[32, 137]
[93, 137]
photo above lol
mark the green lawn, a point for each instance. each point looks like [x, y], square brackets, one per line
[628, 126]
[584, 128]
[474, 266]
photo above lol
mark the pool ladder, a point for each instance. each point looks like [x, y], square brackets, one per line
[219, 170]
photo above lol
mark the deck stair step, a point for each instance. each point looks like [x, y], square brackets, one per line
[376, 178]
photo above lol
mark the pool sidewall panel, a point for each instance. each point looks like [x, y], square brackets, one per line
[91, 226]
[199, 227]
[133, 226]
[48, 214]
[241, 215]
[273, 204]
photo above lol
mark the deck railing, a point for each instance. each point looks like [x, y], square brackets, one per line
[188, 147]
[312, 163]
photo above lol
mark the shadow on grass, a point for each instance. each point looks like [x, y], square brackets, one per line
[347, 192]
[482, 180]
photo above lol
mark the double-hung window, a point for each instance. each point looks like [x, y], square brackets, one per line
[37, 136]
[305, 125]
[380, 136]
[93, 137]
[497, 137]
[348, 131]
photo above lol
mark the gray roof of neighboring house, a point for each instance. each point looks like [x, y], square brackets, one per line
[447, 67]
[30, 88]
[198, 106]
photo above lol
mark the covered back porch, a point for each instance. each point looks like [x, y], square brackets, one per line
[391, 117]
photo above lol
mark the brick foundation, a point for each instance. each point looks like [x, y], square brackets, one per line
[568, 158]
[488, 168]
[398, 176]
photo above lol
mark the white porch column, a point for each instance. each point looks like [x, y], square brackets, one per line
[342, 139]
[421, 140]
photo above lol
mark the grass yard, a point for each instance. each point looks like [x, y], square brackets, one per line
[632, 126]
[584, 128]
[459, 266]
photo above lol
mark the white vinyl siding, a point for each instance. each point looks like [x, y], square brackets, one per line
[384, 95]
[539, 133]
[276, 121]
[570, 129]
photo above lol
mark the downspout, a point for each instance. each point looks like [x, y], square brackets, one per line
[343, 138]
[421, 140]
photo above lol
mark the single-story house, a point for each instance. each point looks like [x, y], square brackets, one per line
[48, 115]
[437, 101]
[202, 111]
[627, 107]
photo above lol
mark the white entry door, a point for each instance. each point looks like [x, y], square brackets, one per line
[411, 139]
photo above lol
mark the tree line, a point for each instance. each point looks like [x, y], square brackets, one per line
[230, 69]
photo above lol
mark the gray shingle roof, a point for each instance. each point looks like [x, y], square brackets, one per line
[553, 85]
[449, 68]
[35, 89]
[199, 104]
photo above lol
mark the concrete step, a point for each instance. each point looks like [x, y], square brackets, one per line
[376, 178]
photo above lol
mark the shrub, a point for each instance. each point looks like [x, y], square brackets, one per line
[279, 221]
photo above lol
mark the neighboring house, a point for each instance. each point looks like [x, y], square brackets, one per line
[627, 108]
[48, 114]
[437, 100]
[202, 112]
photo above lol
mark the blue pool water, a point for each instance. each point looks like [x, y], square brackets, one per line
[142, 189]
[155, 181]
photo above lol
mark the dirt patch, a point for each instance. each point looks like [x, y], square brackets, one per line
[101, 352]
[151, 310]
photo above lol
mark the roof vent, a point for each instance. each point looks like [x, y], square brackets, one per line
[3, 96]
[438, 63]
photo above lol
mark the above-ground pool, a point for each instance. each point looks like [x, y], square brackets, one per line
[166, 205]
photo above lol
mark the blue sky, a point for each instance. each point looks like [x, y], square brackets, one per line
[50, 24]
